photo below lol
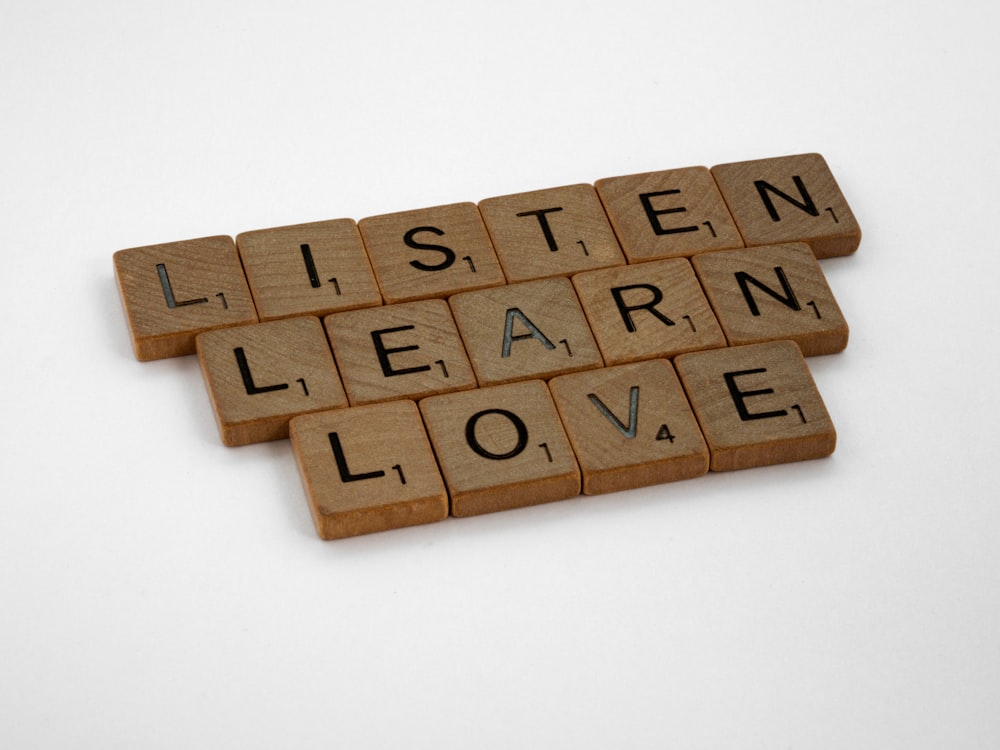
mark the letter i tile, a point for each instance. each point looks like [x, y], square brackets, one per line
[501, 447]
[757, 405]
[260, 376]
[356, 480]
[630, 426]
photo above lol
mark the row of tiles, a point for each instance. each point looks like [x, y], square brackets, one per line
[174, 291]
[401, 463]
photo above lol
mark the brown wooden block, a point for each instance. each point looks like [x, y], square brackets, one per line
[430, 252]
[757, 405]
[535, 329]
[647, 310]
[789, 199]
[408, 350]
[668, 214]
[260, 376]
[630, 426]
[308, 269]
[770, 293]
[552, 232]
[358, 480]
[173, 292]
[501, 447]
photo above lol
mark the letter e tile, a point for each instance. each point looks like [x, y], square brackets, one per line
[356, 480]
[630, 426]
[501, 447]
[757, 405]
[260, 376]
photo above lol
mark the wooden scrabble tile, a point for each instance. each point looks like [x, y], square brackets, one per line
[668, 214]
[535, 329]
[407, 350]
[260, 376]
[501, 447]
[552, 232]
[789, 199]
[773, 292]
[173, 292]
[308, 269]
[757, 405]
[357, 479]
[630, 426]
[647, 310]
[430, 252]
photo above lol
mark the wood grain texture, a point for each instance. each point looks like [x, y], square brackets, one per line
[500, 448]
[403, 351]
[174, 291]
[773, 292]
[308, 269]
[357, 481]
[630, 426]
[757, 405]
[535, 329]
[647, 310]
[552, 232]
[668, 214]
[789, 199]
[260, 376]
[430, 252]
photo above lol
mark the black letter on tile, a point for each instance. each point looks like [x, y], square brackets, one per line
[740, 396]
[626, 310]
[253, 390]
[806, 204]
[652, 213]
[544, 222]
[449, 254]
[633, 412]
[789, 299]
[533, 332]
[345, 473]
[522, 434]
[168, 290]
[383, 353]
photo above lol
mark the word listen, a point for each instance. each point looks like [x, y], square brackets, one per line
[471, 358]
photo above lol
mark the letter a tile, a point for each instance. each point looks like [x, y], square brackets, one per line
[630, 426]
[260, 376]
[757, 405]
[359, 481]
[789, 199]
[501, 447]
[175, 291]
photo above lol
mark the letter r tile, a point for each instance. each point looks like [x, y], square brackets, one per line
[173, 292]
[260, 376]
[407, 350]
[757, 405]
[356, 480]
[501, 447]
[630, 426]
[789, 199]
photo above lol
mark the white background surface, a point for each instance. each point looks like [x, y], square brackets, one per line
[158, 590]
